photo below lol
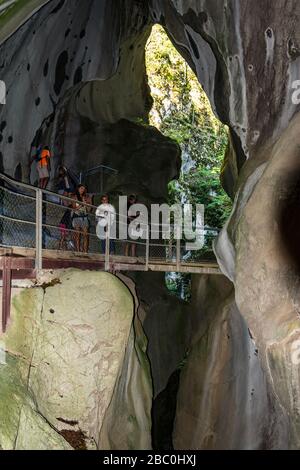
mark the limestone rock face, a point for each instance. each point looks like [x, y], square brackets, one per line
[22, 426]
[224, 400]
[13, 14]
[97, 49]
[266, 232]
[66, 65]
[236, 49]
[71, 345]
[146, 160]
[64, 45]
[167, 324]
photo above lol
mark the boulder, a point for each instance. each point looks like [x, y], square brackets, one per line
[72, 339]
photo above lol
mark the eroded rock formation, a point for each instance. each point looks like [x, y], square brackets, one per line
[246, 55]
[224, 399]
[75, 348]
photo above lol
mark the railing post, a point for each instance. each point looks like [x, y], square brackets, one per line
[178, 254]
[6, 291]
[147, 248]
[107, 244]
[170, 250]
[38, 229]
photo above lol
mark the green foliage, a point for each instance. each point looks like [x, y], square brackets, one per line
[182, 112]
[202, 185]
[179, 284]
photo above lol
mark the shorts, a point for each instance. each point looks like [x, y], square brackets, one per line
[80, 222]
[43, 172]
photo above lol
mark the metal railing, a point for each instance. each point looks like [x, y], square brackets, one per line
[99, 169]
[34, 218]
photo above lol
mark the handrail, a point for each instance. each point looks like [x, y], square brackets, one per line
[54, 204]
[105, 167]
[11, 181]
[47, 209]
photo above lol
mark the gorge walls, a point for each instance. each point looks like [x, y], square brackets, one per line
[75, 70]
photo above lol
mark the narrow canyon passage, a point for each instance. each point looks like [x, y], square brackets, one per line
[141, 360]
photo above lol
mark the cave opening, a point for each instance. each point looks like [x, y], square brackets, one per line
[94, 123]
[224, 352]
[139, 126]
[182, 111]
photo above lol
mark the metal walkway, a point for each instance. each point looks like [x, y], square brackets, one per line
[30, 235]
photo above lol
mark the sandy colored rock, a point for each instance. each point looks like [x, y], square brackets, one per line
[22, 426]
[73, 338]
[224, 399]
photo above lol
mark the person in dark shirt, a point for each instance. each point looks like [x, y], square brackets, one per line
[65, 226]
[65, 184]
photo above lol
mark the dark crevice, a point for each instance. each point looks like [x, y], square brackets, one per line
[46, 68]
[78, 76]
[289, 219]
[193, 46]
[58, 7]
[163, 414]
[76, 439]
[67, 421]
[18, 172]
[237, 145]
[60, 71]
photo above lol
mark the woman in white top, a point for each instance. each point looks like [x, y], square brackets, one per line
[105, 214]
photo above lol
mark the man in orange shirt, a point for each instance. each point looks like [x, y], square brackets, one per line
[43, 167]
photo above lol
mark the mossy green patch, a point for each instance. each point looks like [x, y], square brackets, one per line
[13, 17]
[13, 395]
[26, 312]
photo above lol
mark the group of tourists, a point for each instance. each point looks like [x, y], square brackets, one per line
[75, 223]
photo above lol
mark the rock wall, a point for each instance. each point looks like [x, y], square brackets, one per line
[224, 399]
[75, 351]
[167, 322]
[246, 55]
[66, 44]
[145, 159]
[236, 49]
[267, 270]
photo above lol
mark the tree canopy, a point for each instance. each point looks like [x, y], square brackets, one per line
[181, 111]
